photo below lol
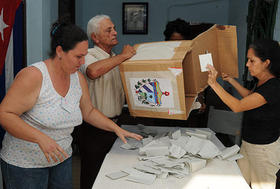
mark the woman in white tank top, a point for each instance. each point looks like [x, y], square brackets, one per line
[42, 107]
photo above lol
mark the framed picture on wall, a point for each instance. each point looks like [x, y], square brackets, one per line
[135, 18]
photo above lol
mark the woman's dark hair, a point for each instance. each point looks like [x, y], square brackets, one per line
[180, 26]
[268, 49]
[65, 34]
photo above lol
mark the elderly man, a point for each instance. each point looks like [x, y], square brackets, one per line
[106, 91]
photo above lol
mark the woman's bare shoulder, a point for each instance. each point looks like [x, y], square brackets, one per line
[29, 76]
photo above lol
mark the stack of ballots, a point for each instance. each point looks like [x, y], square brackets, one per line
[175, 154]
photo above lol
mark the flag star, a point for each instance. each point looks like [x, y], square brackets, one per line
[3, 25]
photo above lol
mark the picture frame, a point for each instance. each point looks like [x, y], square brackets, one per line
[135, 18]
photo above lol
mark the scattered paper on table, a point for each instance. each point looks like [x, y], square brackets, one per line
[176, 153]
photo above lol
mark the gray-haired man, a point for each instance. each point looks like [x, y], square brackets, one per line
[106, 91]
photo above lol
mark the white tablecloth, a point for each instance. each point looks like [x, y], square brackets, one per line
[218, 174]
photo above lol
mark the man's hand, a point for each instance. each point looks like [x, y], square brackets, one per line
[128, 51]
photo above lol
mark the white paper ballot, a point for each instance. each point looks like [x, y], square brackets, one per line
[204, 60]
[116, 175]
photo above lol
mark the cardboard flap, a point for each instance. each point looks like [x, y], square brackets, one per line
[165, 115]
[164, 50]
[227, 48]
[221, 42]
[203, 43]
[147, 65]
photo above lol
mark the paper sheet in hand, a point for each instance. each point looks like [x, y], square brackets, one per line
[204, 60]
[117, 175]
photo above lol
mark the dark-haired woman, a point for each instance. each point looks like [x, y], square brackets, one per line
[260, 132]
[45, 102]
[177, 30]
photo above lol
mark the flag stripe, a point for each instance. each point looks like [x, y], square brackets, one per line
[9, 65]
[2, 85]
[7, 17]
[13, 61]
[18, 40]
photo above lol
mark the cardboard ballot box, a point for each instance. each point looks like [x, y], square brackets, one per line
[163, 79]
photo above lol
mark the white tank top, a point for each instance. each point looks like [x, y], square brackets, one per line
[54, 115]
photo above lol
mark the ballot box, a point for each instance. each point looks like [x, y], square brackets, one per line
[164, 78]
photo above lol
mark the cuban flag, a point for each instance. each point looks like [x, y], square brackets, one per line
[11, 35]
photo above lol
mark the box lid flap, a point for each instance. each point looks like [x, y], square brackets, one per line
[164, 50]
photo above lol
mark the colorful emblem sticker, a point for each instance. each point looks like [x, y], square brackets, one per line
[149, 92]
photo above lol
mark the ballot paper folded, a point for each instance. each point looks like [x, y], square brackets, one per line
[132, 144]
[176, 134]
[147, 140]
[231, 153]
[139, 176]
[195, 164]
[199, 133]
[177, 154]
[176, 151]
[208, 150]
[116, 175]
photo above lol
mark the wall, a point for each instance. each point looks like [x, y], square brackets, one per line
[159, 13]
[34, 38]
[277, 25]
[39, 16]
[162, 11]
[239, 18]
[50, 15]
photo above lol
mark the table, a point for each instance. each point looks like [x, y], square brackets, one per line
[218, 174]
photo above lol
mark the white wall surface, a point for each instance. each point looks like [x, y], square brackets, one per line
[39, 16]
